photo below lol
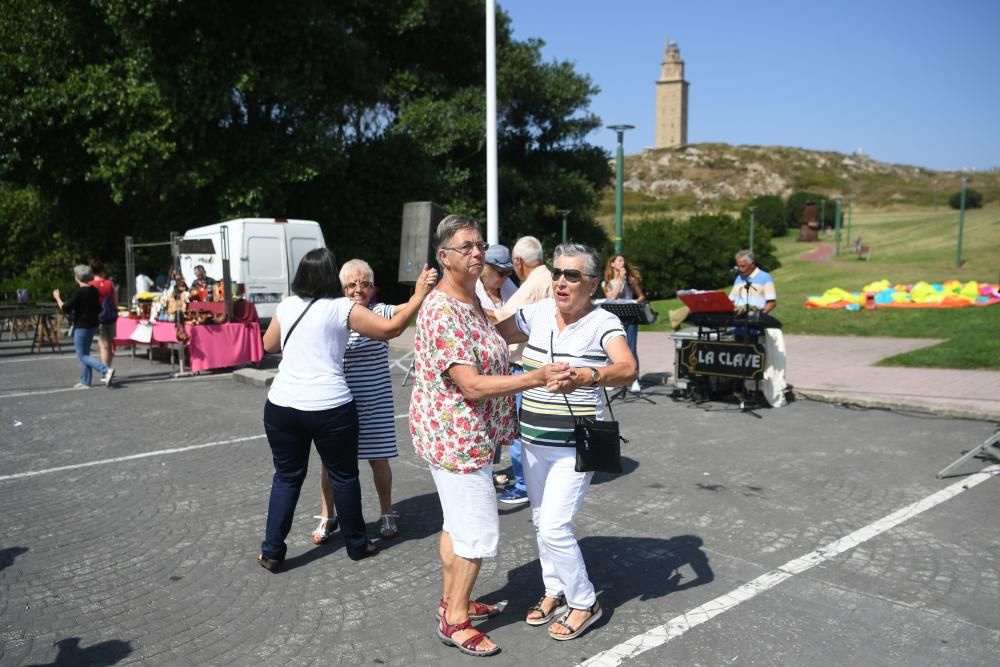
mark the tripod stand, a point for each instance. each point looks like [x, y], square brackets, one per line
[982, 450]
[630, 312]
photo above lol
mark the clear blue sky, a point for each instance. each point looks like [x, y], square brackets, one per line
[909, 82]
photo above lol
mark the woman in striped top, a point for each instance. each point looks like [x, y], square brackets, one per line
[366, 367]
[566, 328]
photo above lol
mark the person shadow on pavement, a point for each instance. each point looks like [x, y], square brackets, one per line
[621, 568]
[419, 517]
[105, 653]
[9, 555]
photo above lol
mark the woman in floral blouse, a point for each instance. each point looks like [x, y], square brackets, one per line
[461, 410]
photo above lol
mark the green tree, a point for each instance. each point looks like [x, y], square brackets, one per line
[973, 199]
[696, 253]
[770, 212]
[142, 118]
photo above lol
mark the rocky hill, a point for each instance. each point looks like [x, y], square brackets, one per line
[705, 177]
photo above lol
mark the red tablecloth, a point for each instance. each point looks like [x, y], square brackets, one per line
[211, 345]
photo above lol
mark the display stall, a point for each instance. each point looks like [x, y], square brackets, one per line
[210, 345]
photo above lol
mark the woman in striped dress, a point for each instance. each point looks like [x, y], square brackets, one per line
[366, 366]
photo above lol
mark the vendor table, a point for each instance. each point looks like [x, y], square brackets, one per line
[211, 345]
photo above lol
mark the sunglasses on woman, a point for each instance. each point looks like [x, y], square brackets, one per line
[571, 275]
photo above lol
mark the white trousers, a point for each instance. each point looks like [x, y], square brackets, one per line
[469, 506]
[556, 492]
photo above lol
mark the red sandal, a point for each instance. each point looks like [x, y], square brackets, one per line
[479, 611]
[469, 646]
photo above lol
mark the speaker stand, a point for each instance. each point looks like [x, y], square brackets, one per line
[982, 450]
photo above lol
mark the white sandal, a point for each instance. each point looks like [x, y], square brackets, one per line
[388, 528]
[327, 527]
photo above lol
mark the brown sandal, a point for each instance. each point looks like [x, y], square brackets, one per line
[479, 611]
[469, 646]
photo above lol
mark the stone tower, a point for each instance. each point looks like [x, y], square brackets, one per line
[671, 100]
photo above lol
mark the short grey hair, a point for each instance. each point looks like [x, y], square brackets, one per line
[83, 273]
[353, 266]
[529, 249]
[451, 225]
[592, 261]
[747, 255]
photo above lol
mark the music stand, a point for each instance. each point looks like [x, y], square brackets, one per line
[706, 302]
[629, 312]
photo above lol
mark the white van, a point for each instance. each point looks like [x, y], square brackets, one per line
[263, 256]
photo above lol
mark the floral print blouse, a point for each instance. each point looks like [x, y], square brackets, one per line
[448, 431]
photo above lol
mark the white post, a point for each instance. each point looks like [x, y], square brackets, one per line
[492, 226]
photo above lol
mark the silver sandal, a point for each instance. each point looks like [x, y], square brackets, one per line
[327, 527]
[388, 528]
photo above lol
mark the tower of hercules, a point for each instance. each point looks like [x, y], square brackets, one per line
[671, 100]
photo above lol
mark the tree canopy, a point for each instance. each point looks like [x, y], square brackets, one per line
[138, 118]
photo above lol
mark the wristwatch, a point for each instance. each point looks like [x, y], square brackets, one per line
[595, 377]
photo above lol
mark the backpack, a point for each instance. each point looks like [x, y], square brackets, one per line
[108, 311]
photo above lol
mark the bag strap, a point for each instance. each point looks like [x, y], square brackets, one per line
[607, 400]
[296, 322]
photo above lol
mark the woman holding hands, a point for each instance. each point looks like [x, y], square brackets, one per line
[569, 329]
[462, 408]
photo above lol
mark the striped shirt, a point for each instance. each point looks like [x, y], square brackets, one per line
[545, 417]
[756, 290]
[366, 365]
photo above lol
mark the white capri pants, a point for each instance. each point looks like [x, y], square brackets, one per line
[556, 492]
[469, 506]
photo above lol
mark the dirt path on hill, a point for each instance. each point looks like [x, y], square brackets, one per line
[818, 254]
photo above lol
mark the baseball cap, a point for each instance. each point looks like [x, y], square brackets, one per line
[499, 256]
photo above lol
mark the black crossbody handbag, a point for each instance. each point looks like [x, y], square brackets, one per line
[598, 443]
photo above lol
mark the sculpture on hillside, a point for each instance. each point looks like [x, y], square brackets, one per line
[809, 230]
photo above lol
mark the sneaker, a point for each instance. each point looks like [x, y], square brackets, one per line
[636, 388]
[514, 496]
[80, 385]
[106, 378]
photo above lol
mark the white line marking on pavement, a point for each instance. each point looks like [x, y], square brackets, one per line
[132, 457]
[401, 416]
[64, 356]
[678, 625]
[123, 380]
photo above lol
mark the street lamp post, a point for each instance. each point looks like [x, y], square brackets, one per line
[836, 227]
[619, 181]
[752, 209]
[850, 211]
[564, 212]
[822, 215]
[961, 222]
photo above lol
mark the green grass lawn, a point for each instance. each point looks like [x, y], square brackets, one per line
[907, 246]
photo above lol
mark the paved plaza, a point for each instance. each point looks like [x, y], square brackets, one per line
[814, 534]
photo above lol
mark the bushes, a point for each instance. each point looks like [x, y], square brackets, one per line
[692, 254]
[973, 199]
[769, 212]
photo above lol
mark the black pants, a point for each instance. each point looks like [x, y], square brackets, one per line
[335, 432]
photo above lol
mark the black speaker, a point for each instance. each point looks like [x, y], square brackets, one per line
[416, 243]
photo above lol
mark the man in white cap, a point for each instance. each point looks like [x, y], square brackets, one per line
[536, 284]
